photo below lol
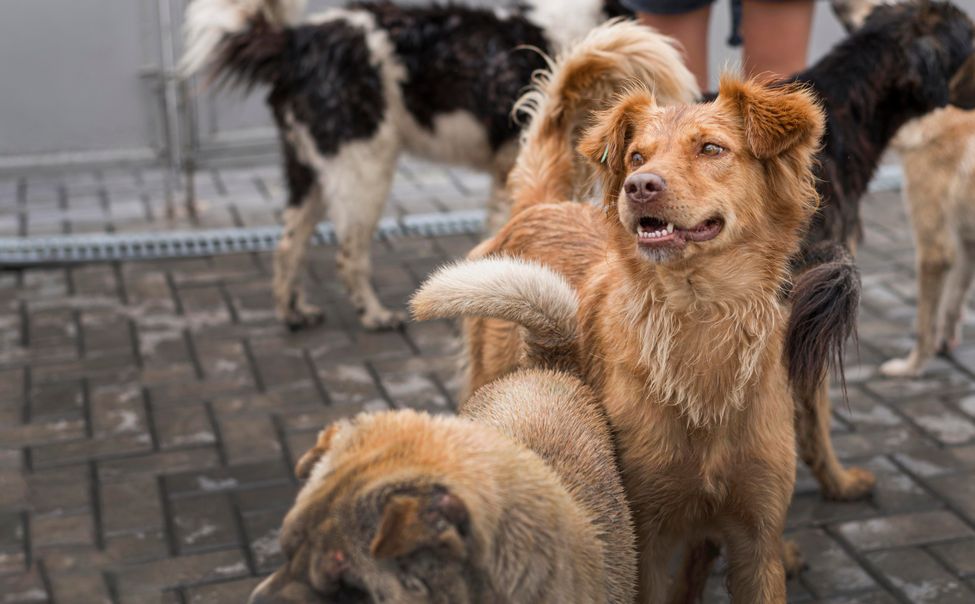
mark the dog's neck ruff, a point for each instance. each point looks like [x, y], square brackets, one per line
[703, 356]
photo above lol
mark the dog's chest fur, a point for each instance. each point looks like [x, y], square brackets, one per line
[684, 388]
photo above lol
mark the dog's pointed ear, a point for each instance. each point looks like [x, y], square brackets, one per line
[311, 457]
[961, 90]
[604, 144]
[775, 118]
[410, 522]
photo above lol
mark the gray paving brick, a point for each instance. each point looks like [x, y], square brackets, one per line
[920, 578]
[904, 530]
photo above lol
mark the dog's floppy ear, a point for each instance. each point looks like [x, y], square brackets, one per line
[410, 522]
[961, 90]
[307, 462]
[775, 118]
[605, 143]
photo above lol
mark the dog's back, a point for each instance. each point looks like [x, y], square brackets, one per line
[558, 417]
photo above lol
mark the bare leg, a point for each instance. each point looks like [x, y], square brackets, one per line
[691, 30]
[776, 36]
[934, 263]
[816, 450]
[289, 259]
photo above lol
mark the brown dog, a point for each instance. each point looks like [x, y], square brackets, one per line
[519, 501]
[679, 325]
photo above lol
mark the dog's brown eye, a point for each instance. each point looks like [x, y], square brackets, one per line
[636, 159]
[711, 150]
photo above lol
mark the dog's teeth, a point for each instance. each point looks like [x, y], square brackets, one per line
[670, 227]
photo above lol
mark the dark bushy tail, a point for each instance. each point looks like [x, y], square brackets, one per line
[238, 41]
[825, 299]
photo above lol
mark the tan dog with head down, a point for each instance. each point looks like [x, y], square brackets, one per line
[520, 501]
[679, 326]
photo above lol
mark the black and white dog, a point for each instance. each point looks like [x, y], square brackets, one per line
[351, 88]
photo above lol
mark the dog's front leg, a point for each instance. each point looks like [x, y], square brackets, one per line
[655, 552]
[756, 573]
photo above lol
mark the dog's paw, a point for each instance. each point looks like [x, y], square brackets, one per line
[855, 483]
[792, 558]
[304, 317]
[905, 367]
[383, 319]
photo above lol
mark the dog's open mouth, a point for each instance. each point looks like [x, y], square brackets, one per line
[655, 232]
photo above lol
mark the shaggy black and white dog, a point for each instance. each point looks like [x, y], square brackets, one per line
[352, 88]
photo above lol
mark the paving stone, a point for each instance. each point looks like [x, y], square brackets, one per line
[904, 530]
[959, 555]
[203, 523]
[959, 491]
[920, 578]
[184, 570]
[831, 570]
[947, 426]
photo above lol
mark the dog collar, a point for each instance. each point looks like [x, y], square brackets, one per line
[602, 160]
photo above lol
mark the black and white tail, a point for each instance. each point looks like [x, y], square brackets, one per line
[238, 41]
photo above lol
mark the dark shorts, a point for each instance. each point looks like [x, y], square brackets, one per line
[665, 7]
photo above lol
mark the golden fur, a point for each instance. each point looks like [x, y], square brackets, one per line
[683, 343]
[517, 501]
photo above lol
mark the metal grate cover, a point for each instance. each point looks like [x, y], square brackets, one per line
[63, 249]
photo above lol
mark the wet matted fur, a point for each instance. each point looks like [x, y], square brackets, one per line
[907, 60]
[352, 88]
[679, 334]
[517, 501]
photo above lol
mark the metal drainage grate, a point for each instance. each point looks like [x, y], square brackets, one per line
[62, 249]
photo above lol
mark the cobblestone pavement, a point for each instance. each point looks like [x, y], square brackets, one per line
[127, 201]
[150, 414]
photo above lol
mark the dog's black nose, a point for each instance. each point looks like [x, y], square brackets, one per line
[644, 187]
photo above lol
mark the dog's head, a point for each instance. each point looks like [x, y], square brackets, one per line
[938, 39]
[687, 180]
[373, 523]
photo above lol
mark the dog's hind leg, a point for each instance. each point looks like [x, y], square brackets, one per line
[935, 258]
[958, 285]
[816, 450]
[356, 188]
[305, 210]
[756, 572]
